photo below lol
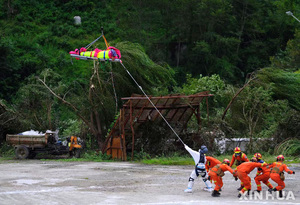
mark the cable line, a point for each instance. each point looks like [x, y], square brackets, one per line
[152, 103]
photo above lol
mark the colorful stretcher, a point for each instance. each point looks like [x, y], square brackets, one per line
[111, 54]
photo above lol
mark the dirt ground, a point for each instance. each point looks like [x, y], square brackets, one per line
[53, 182]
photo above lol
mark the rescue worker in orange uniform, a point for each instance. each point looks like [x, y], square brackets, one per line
[277, 174]
[263, 174]
[216, 173]
[211, 162]
[242, 172]
[258, 156]
[239, 157]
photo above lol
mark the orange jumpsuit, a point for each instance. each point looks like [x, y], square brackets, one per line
[277, 168]
[263, 174]
[216, 174]
[242, 172]
[211, 162]
[239, 159]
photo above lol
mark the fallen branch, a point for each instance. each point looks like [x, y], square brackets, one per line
[241, 89]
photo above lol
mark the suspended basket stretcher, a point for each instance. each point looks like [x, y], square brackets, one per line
[111, 53]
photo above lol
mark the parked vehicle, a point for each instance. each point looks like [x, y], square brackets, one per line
[27, 146]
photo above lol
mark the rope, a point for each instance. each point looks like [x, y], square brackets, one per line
[106, 43]
[89, 45]
[152, 104]
[115, 93]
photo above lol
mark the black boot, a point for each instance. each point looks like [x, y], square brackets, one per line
[255, 191]
[248, 193]
[280, 194]
[239, 189]
[215, 193]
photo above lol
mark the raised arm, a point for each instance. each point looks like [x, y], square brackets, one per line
[193, 153]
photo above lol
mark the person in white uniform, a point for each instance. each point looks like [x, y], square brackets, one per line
[200, 161]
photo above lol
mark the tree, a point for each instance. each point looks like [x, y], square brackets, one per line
[216, 86]
[34, 104]
[289, 59]
[285, 85]
[255, 114]
[93, 102]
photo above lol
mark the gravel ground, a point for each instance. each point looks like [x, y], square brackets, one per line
[53, 182]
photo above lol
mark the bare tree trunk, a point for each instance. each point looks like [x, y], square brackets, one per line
[231, 101]
[89, 124]
[95, 118]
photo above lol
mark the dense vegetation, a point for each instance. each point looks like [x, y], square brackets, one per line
[181, 46]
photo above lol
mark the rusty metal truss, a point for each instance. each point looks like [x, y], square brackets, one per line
[177, 110]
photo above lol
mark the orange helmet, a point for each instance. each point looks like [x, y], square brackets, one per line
[258, 155]
[226, 161]
[237, 150]
[280, 158]
[253, 159]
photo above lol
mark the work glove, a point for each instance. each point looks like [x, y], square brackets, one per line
[234, 174]
[208, 178]
[293, 172]
[236, 178]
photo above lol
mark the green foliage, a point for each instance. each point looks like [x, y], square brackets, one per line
[141, 156]
[34, 103]
[6, 151]
[229, 38]
[218, 54]
[221, 39]
[88, 156]
[222, 94]
[95, 156]
[214, 84]
[188, 160]
[289, 59]
[71, 127]
[290, 146]
[255, 114]
[174, 159]
[285, 85]
[147, 73]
